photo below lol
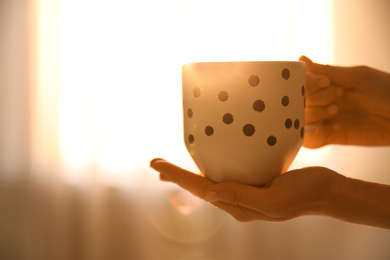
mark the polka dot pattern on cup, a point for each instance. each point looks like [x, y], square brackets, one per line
[296, 123]
[209, 130]
[271, 140]
[285, 101]
[196, 92]
[223, 96]
[248, 129]
[259, 105]
[227, 118]
[288, 123]
[253, 80]
[190, 113]
[191, 139]
[286, 74]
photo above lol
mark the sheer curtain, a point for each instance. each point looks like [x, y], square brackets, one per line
[91, 91]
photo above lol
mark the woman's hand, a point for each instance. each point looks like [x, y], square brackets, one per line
[307, 191]
[295, 193]
[346, 105]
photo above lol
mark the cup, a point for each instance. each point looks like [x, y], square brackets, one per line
[243, 121]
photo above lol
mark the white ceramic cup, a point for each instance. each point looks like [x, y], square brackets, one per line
[244, 121]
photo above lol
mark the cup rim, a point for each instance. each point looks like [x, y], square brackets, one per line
[244, 62]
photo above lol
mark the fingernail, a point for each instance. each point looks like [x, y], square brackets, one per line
[323, 82]
[211, 196]
[154, 161]
[333, 109]
[340, 92]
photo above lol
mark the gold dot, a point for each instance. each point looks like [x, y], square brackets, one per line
[196, 92]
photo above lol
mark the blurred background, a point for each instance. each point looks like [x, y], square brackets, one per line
[90, 92]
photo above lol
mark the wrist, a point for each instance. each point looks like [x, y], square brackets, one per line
[328, 189]
[336, 196]
[335, 189]
[358, 201]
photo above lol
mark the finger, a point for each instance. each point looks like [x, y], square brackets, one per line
[315, 82]
[257, 202]
[324, 96]
[164, 178]
[337, 74]
[185, 179]
[312, 126]
[318, 114]
[236, 194]
[320, 136]
[198, 185]
[243, 214]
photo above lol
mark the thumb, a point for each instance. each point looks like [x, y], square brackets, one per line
[336, 74]
[236, 194]
[310, 65]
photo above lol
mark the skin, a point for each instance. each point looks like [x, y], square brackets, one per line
[344, 105]
[351, 104]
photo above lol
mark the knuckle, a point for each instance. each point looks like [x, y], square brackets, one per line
[231, 194]
[362, 68]
[234, 198]
[360, 71]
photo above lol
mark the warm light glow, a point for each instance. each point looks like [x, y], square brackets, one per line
[45, 53]
[185, 202]
[120, 61]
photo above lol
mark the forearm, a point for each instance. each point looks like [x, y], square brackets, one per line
[360, 202]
